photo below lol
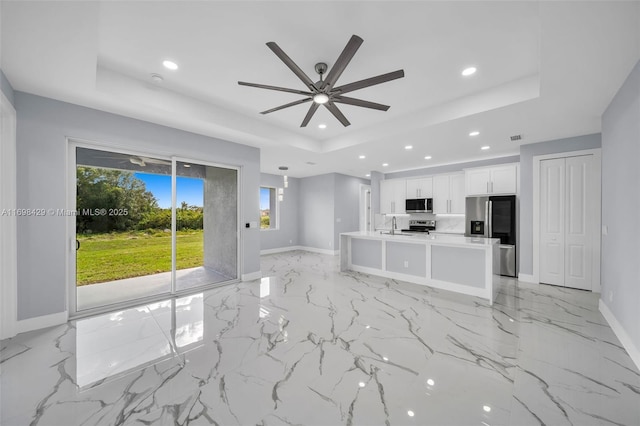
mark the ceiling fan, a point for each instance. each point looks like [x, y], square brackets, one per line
[323, 92]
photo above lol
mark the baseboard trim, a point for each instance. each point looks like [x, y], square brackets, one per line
[43, 321]
[279, 250]
[303, 248]
[620, 333]
[526, 278]
[252, 276]
[321, 251]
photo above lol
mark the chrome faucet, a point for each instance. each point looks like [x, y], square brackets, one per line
[394, 226]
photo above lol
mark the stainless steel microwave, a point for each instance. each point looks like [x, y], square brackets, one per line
[419, 205]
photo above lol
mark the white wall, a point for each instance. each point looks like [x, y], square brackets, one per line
[346, 206]
[43, 127]
[621, 213]
[316, 212]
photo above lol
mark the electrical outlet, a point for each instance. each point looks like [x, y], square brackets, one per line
[605, 230]
[406, 263]
[610, 296]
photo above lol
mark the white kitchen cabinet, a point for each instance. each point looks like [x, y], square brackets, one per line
[492, 180]
[448, 193]
[420, 188]
[393, 196]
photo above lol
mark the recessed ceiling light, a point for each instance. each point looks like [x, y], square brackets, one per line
[428, 157]
[430, 382]
[474, 133]
[362, 384]
[170, 65]
[385, 164]
[410, 413]
[362, 157]
[469, 71]
[485, 147]
[187, 165]
[322, 126]
[408, 147]
[368, 175]
[486, 408]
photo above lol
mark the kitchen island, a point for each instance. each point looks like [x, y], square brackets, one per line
[449, 262]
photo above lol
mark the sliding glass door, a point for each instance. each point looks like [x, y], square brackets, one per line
[148, 226]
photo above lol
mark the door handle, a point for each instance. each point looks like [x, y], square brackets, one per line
[77, 245]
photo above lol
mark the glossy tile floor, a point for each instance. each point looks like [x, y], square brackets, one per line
[310, 345]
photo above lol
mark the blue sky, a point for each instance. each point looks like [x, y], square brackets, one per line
[264, 198]
[190, 190]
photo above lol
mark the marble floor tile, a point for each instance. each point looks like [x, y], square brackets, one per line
[310, 345]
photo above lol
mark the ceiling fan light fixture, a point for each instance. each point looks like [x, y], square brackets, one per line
[137, 161]
[320, 98]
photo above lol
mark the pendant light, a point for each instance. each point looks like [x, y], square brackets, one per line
[285, 183]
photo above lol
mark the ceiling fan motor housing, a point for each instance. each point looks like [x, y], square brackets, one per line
[321, 68]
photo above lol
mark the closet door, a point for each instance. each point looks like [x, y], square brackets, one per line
[552, 221]
[578, 226]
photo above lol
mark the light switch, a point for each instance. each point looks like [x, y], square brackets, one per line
[605, 230]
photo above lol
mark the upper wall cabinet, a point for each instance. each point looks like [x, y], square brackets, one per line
[448, 194]
[420, 188]
[492, 180]
[393, 196]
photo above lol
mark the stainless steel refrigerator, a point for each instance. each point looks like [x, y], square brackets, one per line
[495, 217]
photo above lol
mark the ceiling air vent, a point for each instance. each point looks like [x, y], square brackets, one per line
[311, 163]
[516, 138]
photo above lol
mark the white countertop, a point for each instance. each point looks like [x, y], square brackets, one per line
[445, 239]
[447, 232]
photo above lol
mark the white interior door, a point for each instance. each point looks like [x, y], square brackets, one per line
[552, 221]
[578, 226]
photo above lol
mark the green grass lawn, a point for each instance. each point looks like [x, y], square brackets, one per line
[118, 255]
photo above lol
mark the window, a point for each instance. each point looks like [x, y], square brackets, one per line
[268, 210]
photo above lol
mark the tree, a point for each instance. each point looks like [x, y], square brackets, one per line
[114, 191]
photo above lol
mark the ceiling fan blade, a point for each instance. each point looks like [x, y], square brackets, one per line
[337, 114]
[359, 102]
[312, 110]
[292, 65]
[290, 104]
[383, 78]
[343, 60]
[281, 89]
